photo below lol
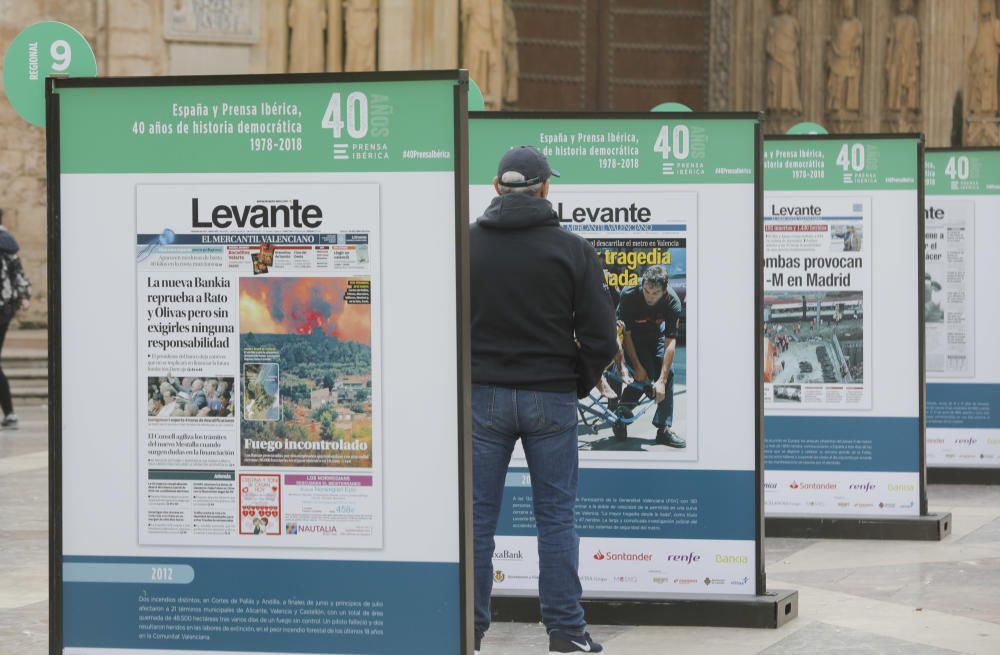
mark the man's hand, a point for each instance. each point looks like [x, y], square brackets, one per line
[640, 374]
[25, 303]
[660, 389]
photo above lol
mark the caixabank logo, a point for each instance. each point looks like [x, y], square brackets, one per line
[506, 555]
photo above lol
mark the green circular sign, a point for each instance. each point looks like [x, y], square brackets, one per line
[43, 49]
[476, 100]
[671, 107]
[807, 128]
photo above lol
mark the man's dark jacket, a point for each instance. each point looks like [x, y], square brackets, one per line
[537, 290]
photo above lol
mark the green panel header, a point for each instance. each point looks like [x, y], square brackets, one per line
[822, 164]
[962, 172]
[303, 127]
[660, 149]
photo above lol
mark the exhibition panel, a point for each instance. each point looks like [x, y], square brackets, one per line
[961, 305]
[261, 246]
[843, 328]
[669, 501]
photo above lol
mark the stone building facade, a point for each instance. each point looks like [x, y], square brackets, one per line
[852, 65]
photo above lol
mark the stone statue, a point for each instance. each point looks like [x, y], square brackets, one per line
[981, 98]
[307, 20]
[902, 61]
[482, 21]
[511, 65]
[783, 60]
[843, 56]
[360, 25]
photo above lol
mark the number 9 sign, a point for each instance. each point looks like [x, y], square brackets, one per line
[43, 49]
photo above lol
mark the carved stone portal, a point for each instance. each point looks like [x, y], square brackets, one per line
[902, 70]
[783, 36]
[482, 22]
[981, 81]
[843, 57]
[307, 20]
[360, 26]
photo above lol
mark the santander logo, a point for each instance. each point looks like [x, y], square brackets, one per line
[793, 485]
[623, 557]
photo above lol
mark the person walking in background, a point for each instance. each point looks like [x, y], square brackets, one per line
[543, 331]
[15, 294]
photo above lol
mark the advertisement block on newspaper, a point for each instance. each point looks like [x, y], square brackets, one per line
[841, 326]
[257, 240]
[654, 195]
[961, 306]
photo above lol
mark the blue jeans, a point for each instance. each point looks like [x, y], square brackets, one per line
[545, 422]
[650, 354]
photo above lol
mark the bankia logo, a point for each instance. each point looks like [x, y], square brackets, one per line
[731, 559]
[862, 486]
[901, 488]
[508, 555]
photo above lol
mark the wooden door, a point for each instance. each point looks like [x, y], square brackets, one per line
[612, 55]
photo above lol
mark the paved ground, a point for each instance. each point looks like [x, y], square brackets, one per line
[855, 597]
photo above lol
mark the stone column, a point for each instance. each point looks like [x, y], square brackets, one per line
[720, 56]
[334, 36]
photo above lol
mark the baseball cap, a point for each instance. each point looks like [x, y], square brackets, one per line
[529, 162]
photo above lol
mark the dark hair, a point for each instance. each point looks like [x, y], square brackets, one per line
[656, 275]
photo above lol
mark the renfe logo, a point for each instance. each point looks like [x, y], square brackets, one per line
[689, 558]
[260, 216]
[867, 486]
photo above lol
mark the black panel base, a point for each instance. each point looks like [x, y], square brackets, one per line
[932, 527]
[772, 610]
[962, 476]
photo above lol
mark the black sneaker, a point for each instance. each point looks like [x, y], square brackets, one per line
[560, 642]
[620, 430]
[667, 437]
[479, 641]
[9, 422]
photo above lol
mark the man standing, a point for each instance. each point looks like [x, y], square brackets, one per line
[652, 316]
[543, 330]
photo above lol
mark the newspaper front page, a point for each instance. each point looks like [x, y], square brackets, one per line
[258, 373]
[949, 244]
[817, 303]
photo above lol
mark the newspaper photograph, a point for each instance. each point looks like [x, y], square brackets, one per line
[257, 306]
[817, 287]
[949, 243]
[643, 407]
